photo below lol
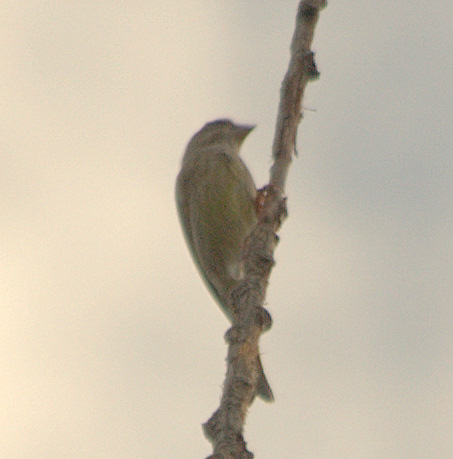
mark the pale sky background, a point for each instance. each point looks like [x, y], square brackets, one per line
[110, 345]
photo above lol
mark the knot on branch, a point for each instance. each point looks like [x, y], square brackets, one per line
[229, 444]
[249, 292]
[272, 208]
[310, 68]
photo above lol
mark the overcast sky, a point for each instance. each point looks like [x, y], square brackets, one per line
[110, 345]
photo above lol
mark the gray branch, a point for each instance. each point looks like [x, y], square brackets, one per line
[225, 427]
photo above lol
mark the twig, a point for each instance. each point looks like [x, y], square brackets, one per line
[225, 427]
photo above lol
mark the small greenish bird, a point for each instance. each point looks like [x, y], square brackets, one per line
[216, 200]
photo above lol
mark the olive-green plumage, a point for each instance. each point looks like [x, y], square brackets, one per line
[215, 195]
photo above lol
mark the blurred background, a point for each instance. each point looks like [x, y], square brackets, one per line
[110, 345]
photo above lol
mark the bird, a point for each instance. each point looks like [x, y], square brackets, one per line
[216, 201]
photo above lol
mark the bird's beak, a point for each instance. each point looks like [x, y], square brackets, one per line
[243, 130]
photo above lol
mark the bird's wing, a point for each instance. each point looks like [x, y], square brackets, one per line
[215, 217]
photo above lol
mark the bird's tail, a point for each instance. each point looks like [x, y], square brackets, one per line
[263, 389]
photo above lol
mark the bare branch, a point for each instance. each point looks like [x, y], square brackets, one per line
[225, 428]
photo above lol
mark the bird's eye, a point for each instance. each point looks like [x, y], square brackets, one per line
[217, 137]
